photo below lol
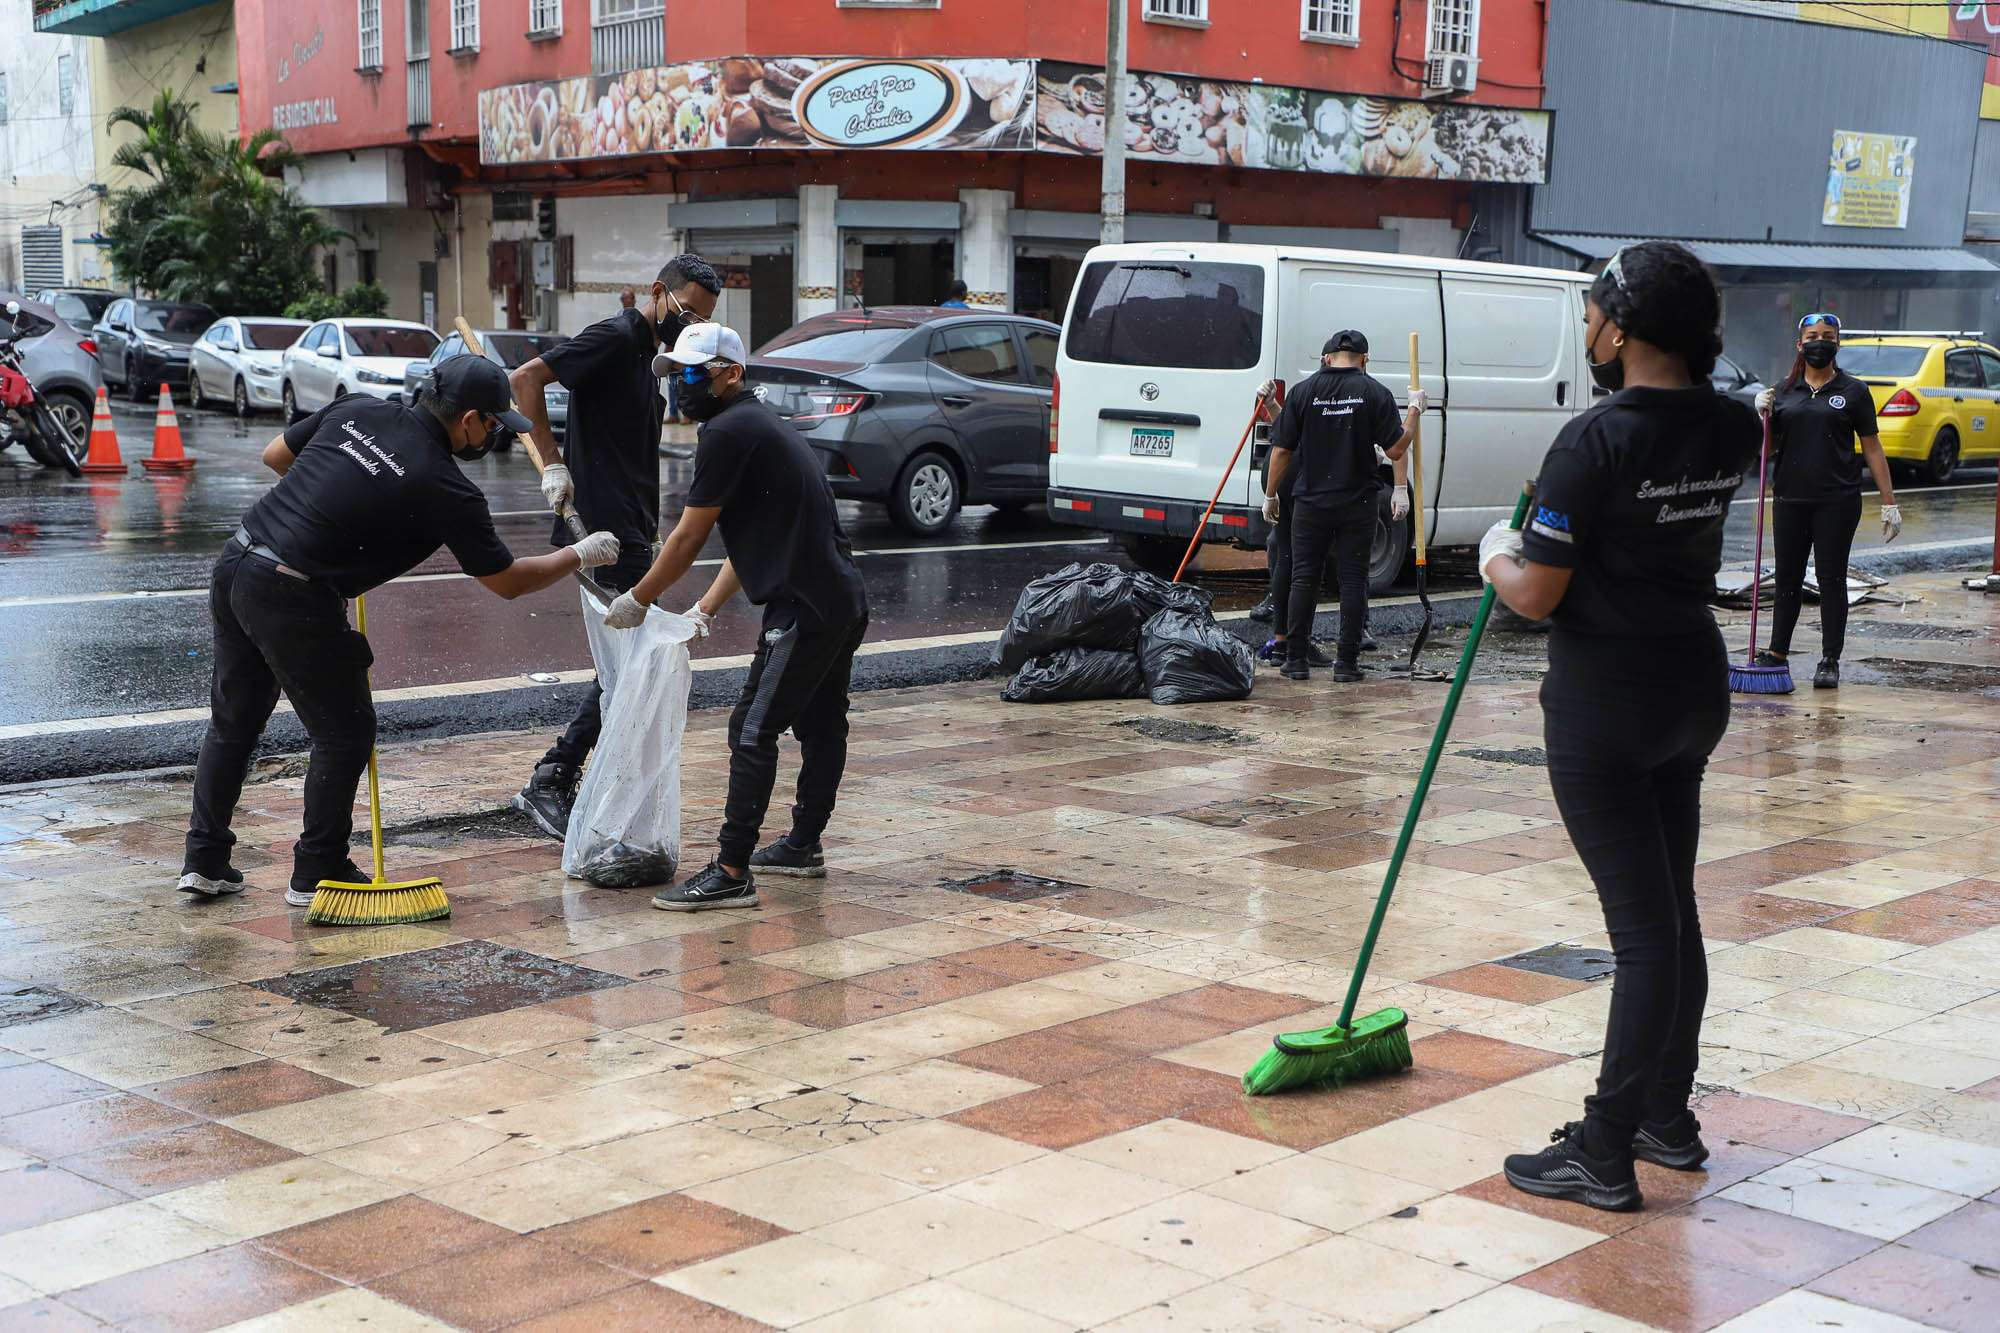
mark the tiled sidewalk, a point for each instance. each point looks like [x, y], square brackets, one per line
[914, 1098]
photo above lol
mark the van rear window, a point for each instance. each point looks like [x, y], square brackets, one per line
[1180, 314]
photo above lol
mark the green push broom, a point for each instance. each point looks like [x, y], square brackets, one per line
[1379, 1043]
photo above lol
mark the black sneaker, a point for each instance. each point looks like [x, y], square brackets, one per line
[1565, 1170]
[1263, 611]
[1273, 653]
[782, 858]
[201, 883]
[548, 799]
[300, 894]
[1766, 658]
[1368, 644]
[1672, 1143]
[1346, 673]
[1828, 675]
[710, 888]
[1293, 669]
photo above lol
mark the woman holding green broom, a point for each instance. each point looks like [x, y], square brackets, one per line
[1621, 551]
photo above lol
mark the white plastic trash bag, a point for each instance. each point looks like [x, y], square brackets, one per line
[625, 830]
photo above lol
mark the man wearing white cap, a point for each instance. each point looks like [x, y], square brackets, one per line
[757, 478]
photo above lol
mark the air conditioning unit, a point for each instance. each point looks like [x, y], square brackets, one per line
[1447, 75]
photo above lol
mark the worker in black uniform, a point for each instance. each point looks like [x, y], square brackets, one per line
[1278, 560]
[367, 490]
[1324, 457]
[758, 480]
[1621, 550]
[1818, 417]
[612, 472]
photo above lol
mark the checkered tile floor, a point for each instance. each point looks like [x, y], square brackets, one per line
[927, 1095]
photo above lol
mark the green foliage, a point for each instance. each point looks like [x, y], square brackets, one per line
[364, 300]
[208, 223]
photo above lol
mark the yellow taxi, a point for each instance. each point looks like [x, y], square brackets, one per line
[1937, 396]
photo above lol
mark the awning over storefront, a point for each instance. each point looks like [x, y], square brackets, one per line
[1778, 254]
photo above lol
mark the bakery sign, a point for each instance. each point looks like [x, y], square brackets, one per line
[998, 105]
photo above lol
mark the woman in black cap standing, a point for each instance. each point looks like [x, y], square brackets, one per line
[1818, 416]
[1621, 551]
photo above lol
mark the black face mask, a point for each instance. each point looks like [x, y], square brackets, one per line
[1819, 353]
[668, 328]
[699, 401]
[485, 446]
[1608, 375]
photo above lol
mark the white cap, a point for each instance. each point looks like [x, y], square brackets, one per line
[700, 344]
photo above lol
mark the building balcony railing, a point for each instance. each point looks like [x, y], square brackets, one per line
[103, 18]
[420, 93]
[633, 43]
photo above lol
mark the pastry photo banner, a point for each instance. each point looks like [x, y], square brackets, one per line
[1174, 118]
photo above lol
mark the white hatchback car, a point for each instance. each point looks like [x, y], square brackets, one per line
[337, 356]
[239, 360]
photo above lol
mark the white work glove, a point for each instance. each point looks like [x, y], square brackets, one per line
[1420, 401]
[1892, 522]
[1273, 507]
[599, 548]
[627, 612]
[1500, 540]
[556, 485]
[1764, 401]
[703, 621]
[1399, 504]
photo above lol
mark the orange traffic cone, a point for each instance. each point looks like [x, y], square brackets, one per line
[104, 456]
[168, 456]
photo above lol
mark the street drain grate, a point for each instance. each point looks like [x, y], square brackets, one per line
[1532, 756]
[1943, 677]
[418, 990]
[1185, 733]
[1572, 962]
[1010, 886]
[31, 1004]
[1900, 629]
[1235, 814]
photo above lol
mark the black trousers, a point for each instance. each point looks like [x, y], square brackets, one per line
[580, 737]
[1629, 725]
[274, 632]
[798, 681]
[1348, 533]
[1825, 528]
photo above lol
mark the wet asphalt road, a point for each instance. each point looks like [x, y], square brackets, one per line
[79, 644]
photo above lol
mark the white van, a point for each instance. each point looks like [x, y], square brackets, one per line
[1165, 346]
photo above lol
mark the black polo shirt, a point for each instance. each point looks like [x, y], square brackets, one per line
[1632, 497]
[778, 520]
[1335, 420]
[613, 448]
[373, 493]
[1814, 435]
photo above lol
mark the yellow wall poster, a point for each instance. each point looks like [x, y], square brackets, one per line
[1868, 180]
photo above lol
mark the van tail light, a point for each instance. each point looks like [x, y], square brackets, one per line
[828, 406]
[88, 344]
[1902, 403]
[1055, 408]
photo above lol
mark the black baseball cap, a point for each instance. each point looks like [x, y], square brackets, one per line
[476, 383]
[1347, 340]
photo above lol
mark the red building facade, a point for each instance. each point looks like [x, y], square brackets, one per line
[839, 150]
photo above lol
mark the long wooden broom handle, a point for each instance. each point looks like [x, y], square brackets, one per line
[1256, 414]
[374, 779]
[568, 512]
[1417, 461]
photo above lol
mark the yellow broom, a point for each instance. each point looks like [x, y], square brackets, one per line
[378, 903]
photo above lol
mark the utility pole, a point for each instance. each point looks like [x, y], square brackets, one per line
[1111, 230]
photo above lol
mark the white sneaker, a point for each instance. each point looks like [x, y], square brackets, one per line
[205, 887]
[299, 898]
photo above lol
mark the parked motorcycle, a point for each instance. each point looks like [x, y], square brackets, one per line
[24, 418]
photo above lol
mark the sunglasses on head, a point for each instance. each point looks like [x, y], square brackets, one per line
[1822, 319]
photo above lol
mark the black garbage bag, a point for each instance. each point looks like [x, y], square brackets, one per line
[1078, 606]
[1157, 595]
[1077, 673]
[1190, 659]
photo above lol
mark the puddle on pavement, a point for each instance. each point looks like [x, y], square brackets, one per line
[1910, 629]
[1531, 756]
[431, 986]
[1010, 886]
[31, 1004]
[1235, 814]
[1942, 677]
[1184, 733]
[1572, 962]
